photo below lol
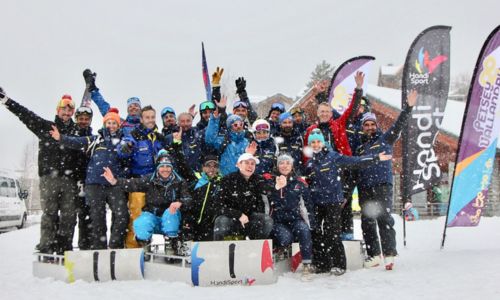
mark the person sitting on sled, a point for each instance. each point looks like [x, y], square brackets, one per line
[167, 196]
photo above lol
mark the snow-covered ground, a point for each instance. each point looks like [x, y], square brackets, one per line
[468, 268]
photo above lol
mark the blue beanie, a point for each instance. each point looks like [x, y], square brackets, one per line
[133, 100]
[285, 116]
[316, 135]
[231, 119]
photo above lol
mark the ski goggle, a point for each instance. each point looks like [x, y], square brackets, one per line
[66, 102]
[167, 110]
[83, 110]
[239, 104]
[278, 106]
[207, 105]
[262, 127]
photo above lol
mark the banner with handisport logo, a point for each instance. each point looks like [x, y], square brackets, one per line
[478, 139]
[427, 70]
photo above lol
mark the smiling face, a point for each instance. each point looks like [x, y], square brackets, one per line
[246, 167]
[261, 135]
[369, 127]
[134, 109]
[148, 119]
[65, 113]
[324, 113]
[169, 120]
[237, 126]
[164, 171]
[285, 167]
[83, 121]
[211, 168]
[241, 111]
[275, 115]
[185, 121]
[316, 145]
[111, 125]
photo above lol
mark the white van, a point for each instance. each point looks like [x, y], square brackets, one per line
[12, 202]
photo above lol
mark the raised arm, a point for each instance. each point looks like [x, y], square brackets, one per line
[392, 135]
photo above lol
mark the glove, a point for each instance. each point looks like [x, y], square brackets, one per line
[90, 79]
[3, 96]
[127, 147]
[241, 84]
[216, 76]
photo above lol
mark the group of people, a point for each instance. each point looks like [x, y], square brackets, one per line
[230, 176]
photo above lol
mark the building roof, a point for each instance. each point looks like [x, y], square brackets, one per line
[453, 114]
[390, 70]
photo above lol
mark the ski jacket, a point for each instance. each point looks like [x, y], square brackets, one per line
[205, 204]
[102, 149]
[159, 194]
[127, 125]
[141, 147]
[239, 196]
[380, 172]
[324, 175]
[266, 153]
[291, 203]
[193, 146]
[292, 145]
[337, 127]
[83, 160]
[229, 147]
[53, 159]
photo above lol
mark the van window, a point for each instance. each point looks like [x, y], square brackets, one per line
[7, 187]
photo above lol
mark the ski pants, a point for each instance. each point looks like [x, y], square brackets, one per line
[84, 222]
[285, 233]
[58, 202]
[349, 181]
[328, 250]
[136, 202]
[98, 196]
[259, 227]
[376, 207]
[148, 224]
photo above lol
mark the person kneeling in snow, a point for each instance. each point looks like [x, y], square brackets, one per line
[166, 196]
[243, 210]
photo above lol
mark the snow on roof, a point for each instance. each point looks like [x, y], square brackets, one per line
[453, 114]
[390, 70]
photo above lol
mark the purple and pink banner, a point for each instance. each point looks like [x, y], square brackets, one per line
[343, 84]
[206, 76]
[478, 139]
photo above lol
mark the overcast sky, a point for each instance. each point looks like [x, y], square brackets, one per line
[152, 49]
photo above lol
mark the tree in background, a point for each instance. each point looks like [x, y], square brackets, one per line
[459, 86]
[322, 71]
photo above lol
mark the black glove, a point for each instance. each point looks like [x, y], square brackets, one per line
[90, 79]
[241, 84]
[3, 96]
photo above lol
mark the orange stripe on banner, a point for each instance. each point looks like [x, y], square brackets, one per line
[466, 162]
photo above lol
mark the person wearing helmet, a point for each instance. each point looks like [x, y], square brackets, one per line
[266, 147]
[273, 117]
[169, 120]
[83, 118]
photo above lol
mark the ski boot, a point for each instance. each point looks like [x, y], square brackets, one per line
[373, 261]
[389, 263]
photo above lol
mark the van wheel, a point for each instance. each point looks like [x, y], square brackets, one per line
[23, 223]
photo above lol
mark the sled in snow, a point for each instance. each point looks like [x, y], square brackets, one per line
[222, 263]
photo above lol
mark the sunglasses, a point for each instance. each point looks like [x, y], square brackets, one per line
[237, 124]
